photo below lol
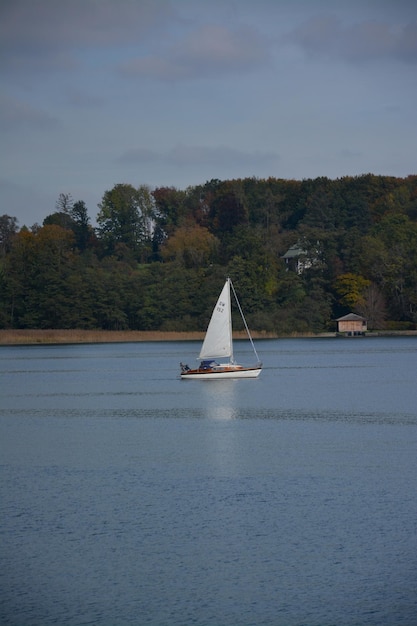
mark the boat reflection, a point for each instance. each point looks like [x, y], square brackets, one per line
[219, 399]
[222, 440]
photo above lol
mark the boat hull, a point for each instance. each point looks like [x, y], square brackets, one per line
[218, 373]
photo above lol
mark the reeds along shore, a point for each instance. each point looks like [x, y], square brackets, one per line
[25, 337]
[16, 337]
[30, 337]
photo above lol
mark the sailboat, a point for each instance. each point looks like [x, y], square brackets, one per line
[218, 344]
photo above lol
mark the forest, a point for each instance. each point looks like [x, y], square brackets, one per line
[300, 253]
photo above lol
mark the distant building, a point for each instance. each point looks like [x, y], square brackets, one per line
[352, 325]
[297, 259]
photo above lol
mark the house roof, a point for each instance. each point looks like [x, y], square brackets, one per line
[294, 252]
[351, 317]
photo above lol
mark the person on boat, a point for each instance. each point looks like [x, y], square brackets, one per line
[184, 368]
[207, 365]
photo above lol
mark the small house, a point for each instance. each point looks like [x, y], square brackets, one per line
[296, 259]
[352, 325]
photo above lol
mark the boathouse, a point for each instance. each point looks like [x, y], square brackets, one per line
[352, 325]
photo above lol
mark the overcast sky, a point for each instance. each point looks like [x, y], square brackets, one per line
[177, 92]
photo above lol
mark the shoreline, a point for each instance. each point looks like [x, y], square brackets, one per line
[56, 336]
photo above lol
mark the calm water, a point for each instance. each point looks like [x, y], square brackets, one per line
[130, 497]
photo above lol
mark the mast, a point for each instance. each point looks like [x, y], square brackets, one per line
[244, 320]
[232, 359]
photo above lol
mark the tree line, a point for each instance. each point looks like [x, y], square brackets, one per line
[157, 259]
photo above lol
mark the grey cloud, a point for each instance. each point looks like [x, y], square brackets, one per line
[214, 45]
[347, 153]
[31, 29]
[84, 99]
[154, 67]
[15, 115]
[359, 42]
[140, 155]
[220, 155]
[37, 62]
[207, 51]
[183, 155]
[407, 44]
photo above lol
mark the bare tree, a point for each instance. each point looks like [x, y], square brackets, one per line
[373, 307]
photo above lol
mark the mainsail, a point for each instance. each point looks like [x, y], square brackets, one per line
[218, 341]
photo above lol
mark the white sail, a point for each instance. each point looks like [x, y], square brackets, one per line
[218, 341]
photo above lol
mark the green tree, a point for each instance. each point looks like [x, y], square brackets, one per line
[8, 229]
[81, 225]
[389, 257]
[227, 208]
[39, 265]
[108, 283]
[127, 216]
[59, 218]
[169, 207]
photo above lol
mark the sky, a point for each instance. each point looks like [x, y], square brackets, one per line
[178, 92]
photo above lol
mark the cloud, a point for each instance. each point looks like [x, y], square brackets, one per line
[359, 42]
[407, 45]
[346, 153]
[15, 115]
[215, 45]
[210, 50]
[140, 155]
[154, 67]
[183, 155]
[46, 33]
[84, 99]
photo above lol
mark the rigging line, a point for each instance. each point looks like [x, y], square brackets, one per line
[244, 320]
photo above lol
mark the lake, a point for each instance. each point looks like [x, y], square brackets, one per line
[130, 497]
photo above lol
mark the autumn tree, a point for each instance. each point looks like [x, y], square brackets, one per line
[193, 246]
[351, 290]
[72, 216]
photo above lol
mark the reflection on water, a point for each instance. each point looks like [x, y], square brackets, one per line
[219, 398]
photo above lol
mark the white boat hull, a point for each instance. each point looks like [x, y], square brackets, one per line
[227, 372]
